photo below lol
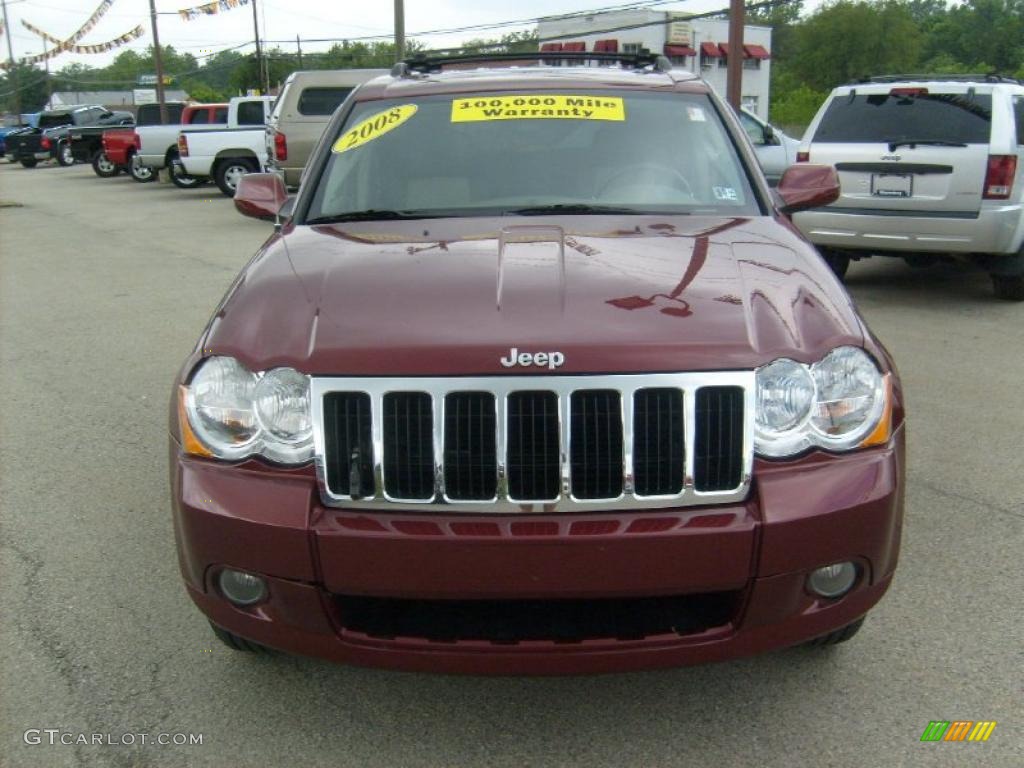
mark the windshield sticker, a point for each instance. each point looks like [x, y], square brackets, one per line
[541, 107]
[696, 115]
[373, 127]
[726, 194]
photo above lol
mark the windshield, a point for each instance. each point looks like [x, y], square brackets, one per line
[532, 153]
[887, 117]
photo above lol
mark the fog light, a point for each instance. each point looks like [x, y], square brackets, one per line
[242, 588]
[833, 580]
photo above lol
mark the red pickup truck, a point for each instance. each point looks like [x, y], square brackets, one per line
[536, 376]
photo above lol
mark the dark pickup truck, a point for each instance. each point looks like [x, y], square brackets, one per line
[86, 142]
[49, 141]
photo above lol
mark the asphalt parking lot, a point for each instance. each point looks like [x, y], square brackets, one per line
[104, 286]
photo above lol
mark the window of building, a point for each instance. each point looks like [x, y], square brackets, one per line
[751, 63]
[632, 47]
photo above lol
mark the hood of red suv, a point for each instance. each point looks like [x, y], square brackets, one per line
[610, 294]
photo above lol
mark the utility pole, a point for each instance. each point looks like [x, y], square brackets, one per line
[158, 61]
[734, 73]
[264, 86]
[49, 83]
[298, 45]
[14, 67]
[399, 30]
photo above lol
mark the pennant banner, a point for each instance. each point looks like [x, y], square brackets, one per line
[71, 44]
[209, 9]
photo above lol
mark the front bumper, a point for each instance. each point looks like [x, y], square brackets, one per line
[996, 229]
[800, 515]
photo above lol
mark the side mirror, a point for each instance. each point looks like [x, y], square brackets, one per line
[805, 186]
[769, 134]
[260, 195]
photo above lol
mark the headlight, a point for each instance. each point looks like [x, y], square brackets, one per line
[834, 404]
[235, 413]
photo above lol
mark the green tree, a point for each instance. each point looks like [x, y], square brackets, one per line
[849, 39]
[980, 33]
[30, 90]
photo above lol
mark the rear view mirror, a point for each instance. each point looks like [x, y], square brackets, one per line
[806, 186]
[260, 195]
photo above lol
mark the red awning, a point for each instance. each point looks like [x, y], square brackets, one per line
[574, 47]
[711, 50]
[756, 51]
[724, 48]
[679, 50]
[550, 47]
[606, 46]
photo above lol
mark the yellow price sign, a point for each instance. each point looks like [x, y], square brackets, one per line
[373, 127]
[538, 107]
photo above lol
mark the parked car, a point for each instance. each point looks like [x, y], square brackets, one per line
[10, 124]
[49, 140]
[87, 142]
[931, 167]
[157, 145]
[23, 122]
[775, 150]
[227, 154]
[303, 108]
[515, 395]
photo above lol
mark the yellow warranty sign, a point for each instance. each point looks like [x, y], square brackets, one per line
[538, 107]
[373, 127]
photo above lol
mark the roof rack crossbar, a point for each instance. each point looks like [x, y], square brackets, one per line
[422, 64]
[991, 77]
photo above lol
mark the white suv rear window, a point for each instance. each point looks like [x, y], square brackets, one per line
[884, 117]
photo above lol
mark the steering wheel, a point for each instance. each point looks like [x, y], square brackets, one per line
[642, 173]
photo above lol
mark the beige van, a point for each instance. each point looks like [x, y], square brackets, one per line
[305, 104]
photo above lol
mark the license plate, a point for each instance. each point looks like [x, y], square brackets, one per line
[892, 184]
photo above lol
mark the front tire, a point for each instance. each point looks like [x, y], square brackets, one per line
[103, 166]
[64, 155]
[837, 262]
[1008, 287]
[178, 176]
[840, 635]
[229, 172]
[29, 162]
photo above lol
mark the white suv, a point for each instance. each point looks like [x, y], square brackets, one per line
[930, 167]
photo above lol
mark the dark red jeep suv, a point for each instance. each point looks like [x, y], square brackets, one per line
[536, 376]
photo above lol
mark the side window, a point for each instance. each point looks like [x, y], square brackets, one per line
[1018, 113]
[321, 101]
[250, 113]
[753, 128]
[199, 117]
[220, 115]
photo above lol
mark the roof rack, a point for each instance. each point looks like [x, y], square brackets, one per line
[421, 64]
[989, 78]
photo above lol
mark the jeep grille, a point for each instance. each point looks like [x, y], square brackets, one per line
[534, 444]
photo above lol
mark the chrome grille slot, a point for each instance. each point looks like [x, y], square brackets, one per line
[349, 443]
[470, 449]
[595, 445]
[531, 444]
[719, 433]
[658, 442]
[408, 445]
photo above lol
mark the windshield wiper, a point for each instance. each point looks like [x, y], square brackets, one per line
[571, 208]
[930, 142]
[370, 214]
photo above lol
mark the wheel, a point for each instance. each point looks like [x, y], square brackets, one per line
[229, 172]
[836, 261]
[236, 643]
[29, 162]
[178, 176]
[1008, 287]
[103, 167]
[840, 635]
[64, 154]
[138, 172]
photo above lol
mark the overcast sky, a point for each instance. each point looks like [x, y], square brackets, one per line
[280, 20]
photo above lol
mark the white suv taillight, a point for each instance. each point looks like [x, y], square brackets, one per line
[183, 145]
[999, 177]
[803, 157]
